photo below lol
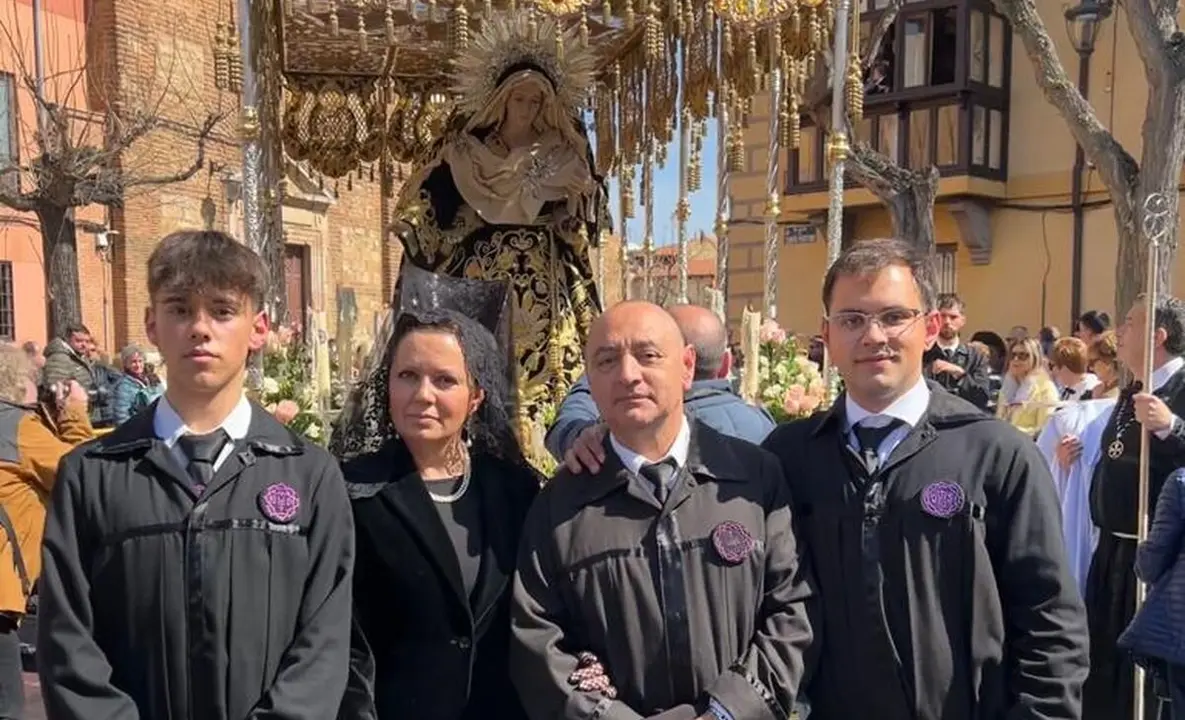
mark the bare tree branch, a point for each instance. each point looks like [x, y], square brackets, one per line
[84, 157]
[1116, 166]
[199, 159]
[908, 194]
[1161, 48]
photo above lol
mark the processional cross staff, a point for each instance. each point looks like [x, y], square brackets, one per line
[1156, 225]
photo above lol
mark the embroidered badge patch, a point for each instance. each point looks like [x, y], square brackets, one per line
[279, 502]
[943, 499]
[733, 542]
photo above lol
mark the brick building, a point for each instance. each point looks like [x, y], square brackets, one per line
[22, 275]
[159, 58]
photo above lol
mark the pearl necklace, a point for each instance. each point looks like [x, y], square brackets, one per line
[456, 494]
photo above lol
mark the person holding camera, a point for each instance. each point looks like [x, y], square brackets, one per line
[72, 356]
[33, 440]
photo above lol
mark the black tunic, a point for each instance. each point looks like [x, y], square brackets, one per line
[975, 384]
[160, 604]
[1111, 582]
[928, 616]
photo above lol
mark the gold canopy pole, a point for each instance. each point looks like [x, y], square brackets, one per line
[722, 196]
[1156, 217]
[648, 236]
[625, 185]
[683, 207]
[772, 210]
[624, 179]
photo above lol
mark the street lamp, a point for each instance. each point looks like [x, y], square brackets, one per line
[1082, 25]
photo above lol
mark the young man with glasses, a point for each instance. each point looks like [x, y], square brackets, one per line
[943, 590]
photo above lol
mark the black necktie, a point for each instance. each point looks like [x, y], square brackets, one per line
[660, 475]
[202, 451]
[1067, 393]
[870, 439]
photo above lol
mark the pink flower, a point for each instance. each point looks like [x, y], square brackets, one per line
[286, 411]
[792, 403]
[772, 332]
[273, 341]
[811, 402]
[285, 335]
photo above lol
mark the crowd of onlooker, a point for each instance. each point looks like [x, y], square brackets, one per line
[50, 401]
[115, 392]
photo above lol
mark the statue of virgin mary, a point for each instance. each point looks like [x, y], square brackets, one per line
[510, 193]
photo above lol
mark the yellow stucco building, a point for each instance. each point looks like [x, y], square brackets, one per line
[957, 92]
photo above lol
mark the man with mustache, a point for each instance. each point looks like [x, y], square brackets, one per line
[943, 591]
[675, 564]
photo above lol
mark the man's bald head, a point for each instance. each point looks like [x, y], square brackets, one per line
[634, 317]
[703, 330]
[638, 367]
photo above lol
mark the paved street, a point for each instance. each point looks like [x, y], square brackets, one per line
[33, 707]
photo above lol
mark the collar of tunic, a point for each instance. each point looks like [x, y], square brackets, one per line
[678, 451]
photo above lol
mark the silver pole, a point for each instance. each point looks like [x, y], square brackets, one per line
[837, 147]
[249, 128]
[774, 189]
[1156, 217]
[839, 121]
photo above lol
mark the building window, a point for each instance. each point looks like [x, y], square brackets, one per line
[8, 133]
[7, 303]
[956, 46]
[944, 267]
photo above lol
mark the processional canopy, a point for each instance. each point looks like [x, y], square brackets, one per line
[371, 80]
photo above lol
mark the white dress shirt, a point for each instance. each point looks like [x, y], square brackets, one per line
[678, 451]
[169, 426]
[909, 409]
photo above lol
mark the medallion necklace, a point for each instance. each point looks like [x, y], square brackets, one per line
[1116, 448]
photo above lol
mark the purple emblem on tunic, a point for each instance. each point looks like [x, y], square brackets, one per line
[279, 502]
[733, 542]
[943, 499]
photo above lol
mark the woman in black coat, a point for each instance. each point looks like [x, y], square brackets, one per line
[440, 492]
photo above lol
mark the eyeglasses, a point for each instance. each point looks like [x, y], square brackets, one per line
[1021, 356]
[892, 321]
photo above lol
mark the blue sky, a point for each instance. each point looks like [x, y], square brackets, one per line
[666, 194]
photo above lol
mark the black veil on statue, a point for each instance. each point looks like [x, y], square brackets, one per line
[363, 424]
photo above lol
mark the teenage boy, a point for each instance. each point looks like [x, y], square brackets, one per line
[198, 559]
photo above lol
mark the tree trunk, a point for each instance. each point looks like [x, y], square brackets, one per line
[59, 252]
[909, 194]
[1160, 168]
[912, 210]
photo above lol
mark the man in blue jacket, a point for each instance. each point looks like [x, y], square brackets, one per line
[577, 433]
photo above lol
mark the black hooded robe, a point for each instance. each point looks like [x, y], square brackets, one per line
[1111, 582]
[935, 617]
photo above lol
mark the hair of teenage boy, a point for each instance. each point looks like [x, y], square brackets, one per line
[205, 265]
